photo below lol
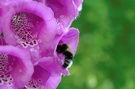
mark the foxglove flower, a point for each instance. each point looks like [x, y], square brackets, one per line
[30, 25]
[65, 11]
[36, 28]
[15, 67]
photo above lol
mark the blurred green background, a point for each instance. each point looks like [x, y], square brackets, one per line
[105, 58]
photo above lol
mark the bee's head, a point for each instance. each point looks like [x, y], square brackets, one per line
[62, 48]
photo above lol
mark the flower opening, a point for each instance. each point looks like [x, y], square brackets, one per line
[15, 68]
[27, 27]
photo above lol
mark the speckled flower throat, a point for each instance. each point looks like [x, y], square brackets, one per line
[5, 68]
[26, 27]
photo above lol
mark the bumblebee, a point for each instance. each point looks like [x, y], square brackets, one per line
[64, 49]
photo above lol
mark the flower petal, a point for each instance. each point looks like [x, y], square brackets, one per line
[42, 79]
[41, 1]
[71, 38]
[53, 82]
[78, 4]
[64, 10]
[53, 65]
[38, 79]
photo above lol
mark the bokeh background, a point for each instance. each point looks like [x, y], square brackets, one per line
[105, 58]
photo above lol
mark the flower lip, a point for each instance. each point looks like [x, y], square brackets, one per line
[17, 67]
[53, 65]
[35, 8]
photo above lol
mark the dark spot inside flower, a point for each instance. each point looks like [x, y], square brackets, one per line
[5, 80]
[0, 81]
[31, 43]
[34, 86]
[24, 38]
[16, 30]
[34, 42]
[9, 83]
[2, 35]
[24, 44]
[11, 78]
[8, 75]
[2, 76]
[29, 36]
[39, 80]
